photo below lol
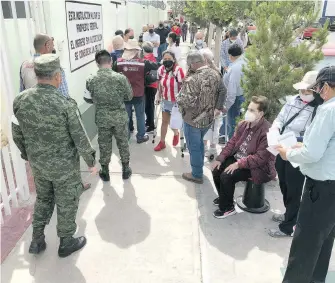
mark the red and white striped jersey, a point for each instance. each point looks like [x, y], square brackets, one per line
[170, 82]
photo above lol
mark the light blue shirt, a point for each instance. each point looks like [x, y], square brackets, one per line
[233, 81]
[317, 156]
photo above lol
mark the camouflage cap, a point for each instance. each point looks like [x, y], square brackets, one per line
[46, 64]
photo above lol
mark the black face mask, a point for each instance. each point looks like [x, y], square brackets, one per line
[318, 100]
[161, 25]
[168, 64]
[53, 51]
[151, 30]
[131, 37]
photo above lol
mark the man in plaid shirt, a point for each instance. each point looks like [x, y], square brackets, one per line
[43, 44]
[224, 56]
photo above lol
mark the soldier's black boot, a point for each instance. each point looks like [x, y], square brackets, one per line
[104, 173]
[37, 245]
[126, 171]
[69, 245]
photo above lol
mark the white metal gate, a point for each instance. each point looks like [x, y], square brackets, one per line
[14, 181]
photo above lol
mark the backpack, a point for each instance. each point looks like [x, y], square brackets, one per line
[151, 75]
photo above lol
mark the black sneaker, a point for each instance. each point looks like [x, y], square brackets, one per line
[104, 173]
[216, 201]
[126, 171]
[144, 139]
[223, 214]
[37, 245]
[70, 245]
[222, 140]
[131, 130]
[150, 130]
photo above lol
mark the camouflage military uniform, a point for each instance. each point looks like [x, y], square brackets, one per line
[109, 90]
[50, 135]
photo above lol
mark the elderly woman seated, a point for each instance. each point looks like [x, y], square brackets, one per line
[244, 157]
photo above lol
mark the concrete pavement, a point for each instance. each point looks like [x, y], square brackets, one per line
[157, 228]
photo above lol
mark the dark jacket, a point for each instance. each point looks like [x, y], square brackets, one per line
[163, 34]
[116, 54]
[149, 64]
[259, 160]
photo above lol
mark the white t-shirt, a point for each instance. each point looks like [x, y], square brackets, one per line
[152, 38]
[176, 50]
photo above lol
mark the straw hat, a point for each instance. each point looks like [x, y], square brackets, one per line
[132, 44]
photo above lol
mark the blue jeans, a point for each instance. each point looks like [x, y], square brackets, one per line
[138, 103]
[233, 112]
[161, 49]
[195, 144]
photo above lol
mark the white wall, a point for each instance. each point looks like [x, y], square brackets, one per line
[129, 15]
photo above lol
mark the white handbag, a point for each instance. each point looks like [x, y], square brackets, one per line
[176, 121]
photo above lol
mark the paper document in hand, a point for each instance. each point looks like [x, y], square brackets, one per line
[287, 140]
[273, 137]
[273, 150]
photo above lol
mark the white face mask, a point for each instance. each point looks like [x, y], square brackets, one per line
[199, 42]
[232, 41]
[306, 97]
[249, 116]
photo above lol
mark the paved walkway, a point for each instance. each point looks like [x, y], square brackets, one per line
[157, 228]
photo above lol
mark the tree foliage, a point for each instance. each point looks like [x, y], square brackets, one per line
[220, 13]
[177, 7]
[276, 60]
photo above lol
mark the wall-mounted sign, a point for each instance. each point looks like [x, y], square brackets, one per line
[84, 32]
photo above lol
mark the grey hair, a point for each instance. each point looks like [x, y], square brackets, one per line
[47, 75]
[195, 57]
[40, 40]
[148, 47]
[209, 56]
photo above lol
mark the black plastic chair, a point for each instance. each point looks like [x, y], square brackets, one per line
[253, 199]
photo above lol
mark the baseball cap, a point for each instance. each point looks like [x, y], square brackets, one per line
[308, 79]
[326, 75]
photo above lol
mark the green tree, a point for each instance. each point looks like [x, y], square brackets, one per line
[177, 7]
[276, 59]
[219, 13]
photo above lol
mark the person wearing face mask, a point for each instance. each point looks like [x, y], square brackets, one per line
[295, 116]
[52, 146]
[233, 82]
[134, 68]
[244, 157]
[152, 37]
[170, 80]
[163, 33]
[224, 55]
[177, 30]
[128, 34]
[314, 234]
[173, 47]
[199, 41]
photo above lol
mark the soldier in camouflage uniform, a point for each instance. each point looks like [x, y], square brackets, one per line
[109, 90]
[50, 135]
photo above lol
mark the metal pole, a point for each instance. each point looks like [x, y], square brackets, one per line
[29, 26]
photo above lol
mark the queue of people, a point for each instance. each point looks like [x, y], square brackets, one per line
[130, 77]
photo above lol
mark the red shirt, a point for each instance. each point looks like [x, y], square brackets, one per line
[151, 57]
[176, 30]
[170, 82]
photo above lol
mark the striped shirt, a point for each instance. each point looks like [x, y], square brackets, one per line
[170, 82]
[224, 56]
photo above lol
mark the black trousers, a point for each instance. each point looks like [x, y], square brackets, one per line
[184, 36]
[314, 235]
[225, 183]
[291, 182]
[150, 94]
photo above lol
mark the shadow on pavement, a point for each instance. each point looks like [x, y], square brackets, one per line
[121, 221]
[237, 235]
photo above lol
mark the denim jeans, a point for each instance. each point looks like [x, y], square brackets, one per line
[161, 49]
[138, 103]
[195, 144]
[233, 112]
